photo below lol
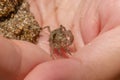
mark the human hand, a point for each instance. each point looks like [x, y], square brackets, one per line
[95, 25]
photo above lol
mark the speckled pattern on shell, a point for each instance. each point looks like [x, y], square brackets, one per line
[21, 25]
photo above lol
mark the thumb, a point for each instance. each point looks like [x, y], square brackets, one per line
[66, 69]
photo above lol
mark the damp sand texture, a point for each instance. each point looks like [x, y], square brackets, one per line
[18, 22]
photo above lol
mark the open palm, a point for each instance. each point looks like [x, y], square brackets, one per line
[95, 26]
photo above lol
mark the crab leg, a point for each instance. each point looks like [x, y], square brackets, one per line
[48, 27]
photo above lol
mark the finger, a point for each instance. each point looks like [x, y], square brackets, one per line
[103, 54]
[10, 59]
[58, 70]
[32, 55]
[66, 12]
[46, 9]
[88, 19]
[109, 12]
[44, 12]
[18, 58]
[35, 11]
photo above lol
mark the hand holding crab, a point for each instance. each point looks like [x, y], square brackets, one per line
[98, 61]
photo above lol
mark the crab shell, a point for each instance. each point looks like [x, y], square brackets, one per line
[60, 40]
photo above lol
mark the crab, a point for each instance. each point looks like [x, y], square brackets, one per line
[60, 39]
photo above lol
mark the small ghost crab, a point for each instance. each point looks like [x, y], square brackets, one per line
[60, 39]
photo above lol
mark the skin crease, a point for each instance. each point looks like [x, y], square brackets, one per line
[96, 53]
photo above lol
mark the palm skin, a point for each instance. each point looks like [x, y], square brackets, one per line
[95, 25]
